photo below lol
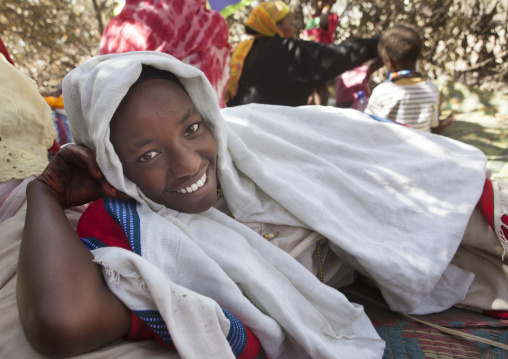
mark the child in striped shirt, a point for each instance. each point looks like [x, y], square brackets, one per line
[407, 96]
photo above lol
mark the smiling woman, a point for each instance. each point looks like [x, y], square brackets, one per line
[164, 146]
[223, 231]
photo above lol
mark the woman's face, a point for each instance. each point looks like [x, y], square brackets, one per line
[165, 147]
[286, 26]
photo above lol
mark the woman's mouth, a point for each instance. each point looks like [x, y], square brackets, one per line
[195, 186]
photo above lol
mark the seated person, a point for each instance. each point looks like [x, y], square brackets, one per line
[239, 220]
[407, 96]
[26, 135]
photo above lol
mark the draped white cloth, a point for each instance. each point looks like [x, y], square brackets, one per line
[394, 203]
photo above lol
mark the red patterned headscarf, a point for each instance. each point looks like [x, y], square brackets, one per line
[186, 30]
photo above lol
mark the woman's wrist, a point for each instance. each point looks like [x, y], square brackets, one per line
[39, 190]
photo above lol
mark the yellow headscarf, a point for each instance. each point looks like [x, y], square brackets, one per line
[263, 20]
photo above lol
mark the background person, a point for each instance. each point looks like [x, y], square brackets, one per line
[407, 96]
[186, 30]
[177, 155]
[26, 135]
[60, 121]
[275, 68]
[321, 28]
[185, 148]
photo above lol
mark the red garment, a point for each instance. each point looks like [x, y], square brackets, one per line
[320, 35]
[486, 206]
[97, 223]
[185, 29]
[350, 83]
[4, 51]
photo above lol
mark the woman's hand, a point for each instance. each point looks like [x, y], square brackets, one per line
[75, 178]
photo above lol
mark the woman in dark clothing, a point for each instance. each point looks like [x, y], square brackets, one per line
[274, 68]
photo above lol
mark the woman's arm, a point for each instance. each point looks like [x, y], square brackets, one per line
[315, 63]
[65, 306]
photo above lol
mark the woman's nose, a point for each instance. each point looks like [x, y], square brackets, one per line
[184, 162]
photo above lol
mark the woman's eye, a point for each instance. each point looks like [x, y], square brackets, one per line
[191, 129]
[148, 156]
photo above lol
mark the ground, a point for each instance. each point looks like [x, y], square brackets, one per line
[481, 120]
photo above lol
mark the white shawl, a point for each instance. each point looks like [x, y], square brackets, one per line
[393, 201]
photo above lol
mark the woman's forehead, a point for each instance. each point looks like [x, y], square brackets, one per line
[150, 72]
[155, 93]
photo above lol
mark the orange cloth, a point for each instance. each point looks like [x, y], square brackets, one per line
[55, 102]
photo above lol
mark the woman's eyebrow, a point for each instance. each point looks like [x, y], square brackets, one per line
[187, 114]
[142, 143]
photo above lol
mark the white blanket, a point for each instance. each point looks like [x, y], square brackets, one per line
[393, 201]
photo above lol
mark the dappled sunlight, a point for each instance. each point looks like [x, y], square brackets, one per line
[421, 200]
[481, 120]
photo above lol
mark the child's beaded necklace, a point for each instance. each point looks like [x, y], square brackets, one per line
[394, 76]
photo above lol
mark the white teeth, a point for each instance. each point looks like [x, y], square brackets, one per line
[195, 186]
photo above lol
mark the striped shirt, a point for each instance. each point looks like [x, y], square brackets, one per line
[412, 101]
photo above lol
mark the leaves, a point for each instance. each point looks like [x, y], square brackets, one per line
[48, 38]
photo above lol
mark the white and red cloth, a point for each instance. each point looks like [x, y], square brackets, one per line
[186, 30]
[394, 202]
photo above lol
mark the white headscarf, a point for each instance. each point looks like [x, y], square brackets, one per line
[393, 202]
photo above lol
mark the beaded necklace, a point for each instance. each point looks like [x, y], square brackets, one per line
[321, 275]
[394, 76]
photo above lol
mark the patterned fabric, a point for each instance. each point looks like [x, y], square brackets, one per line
[237, 337]
[263, 19]
[154, 320]
[125, 215]
[412, 103]
[92, 243]
[60, 121]
[408, 339]
[63, 131]
[184, 29]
